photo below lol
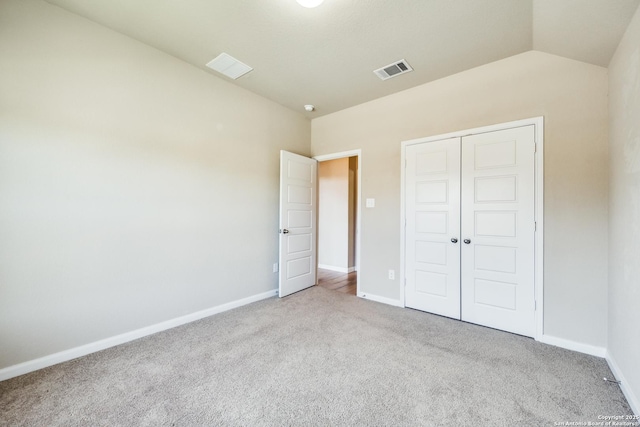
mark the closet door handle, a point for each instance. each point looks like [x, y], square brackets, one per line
[467, 241]
[454, 240]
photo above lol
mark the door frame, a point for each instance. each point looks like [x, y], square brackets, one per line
[341, 155]
[538, 123]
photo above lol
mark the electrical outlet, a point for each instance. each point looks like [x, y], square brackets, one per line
[392, 275]
[275, 267]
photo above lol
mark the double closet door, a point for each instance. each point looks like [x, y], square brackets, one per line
[469, 230]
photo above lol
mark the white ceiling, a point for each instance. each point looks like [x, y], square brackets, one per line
[326, 56]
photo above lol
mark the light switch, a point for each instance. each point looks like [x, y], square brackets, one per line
[371, 203]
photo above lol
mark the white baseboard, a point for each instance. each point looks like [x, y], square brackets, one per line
[383, 300]
[338, 269]
[573, 345]
[632, 398]
[83, 350]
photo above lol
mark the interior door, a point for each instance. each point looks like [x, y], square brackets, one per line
[297, 258]
[432, 252]
[497, 260]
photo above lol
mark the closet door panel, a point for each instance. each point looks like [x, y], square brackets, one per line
[497, 212]
[432, 198]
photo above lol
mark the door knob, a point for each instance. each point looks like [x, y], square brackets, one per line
[454, 240]
[467, 241]
[285, 231]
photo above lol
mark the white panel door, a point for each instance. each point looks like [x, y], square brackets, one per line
[497, 260]
[298, 186]
[432, 265]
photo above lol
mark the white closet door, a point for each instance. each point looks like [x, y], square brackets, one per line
[432, 251]
[497, 264]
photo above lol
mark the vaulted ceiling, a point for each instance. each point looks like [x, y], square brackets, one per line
[326, 56]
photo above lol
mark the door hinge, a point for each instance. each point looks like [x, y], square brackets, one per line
[535, 147]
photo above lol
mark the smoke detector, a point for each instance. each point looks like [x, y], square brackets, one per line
[393, 70]
[229, 66]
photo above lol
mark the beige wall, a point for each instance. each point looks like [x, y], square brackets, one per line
[572, 97]
[129, 182]
[624, 210]
[336, 213]
[353, 210]
[333, 213]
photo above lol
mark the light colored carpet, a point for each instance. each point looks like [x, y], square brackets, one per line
[318, 357]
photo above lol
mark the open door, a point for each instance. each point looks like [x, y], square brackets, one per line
[298, 186]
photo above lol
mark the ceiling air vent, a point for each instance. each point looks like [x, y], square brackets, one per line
[393, 70]
[229, 66]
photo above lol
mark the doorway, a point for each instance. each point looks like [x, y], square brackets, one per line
[339, 221]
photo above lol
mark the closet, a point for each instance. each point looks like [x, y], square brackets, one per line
[469, 229]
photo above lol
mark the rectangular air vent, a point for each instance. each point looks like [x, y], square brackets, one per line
[229, 66]
[393, 70]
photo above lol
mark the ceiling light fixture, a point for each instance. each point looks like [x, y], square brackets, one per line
[309, 108]
[310, 3]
